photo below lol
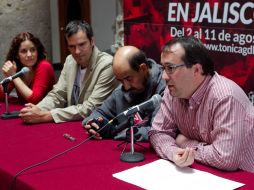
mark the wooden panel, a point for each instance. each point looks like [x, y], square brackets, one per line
[70, 10]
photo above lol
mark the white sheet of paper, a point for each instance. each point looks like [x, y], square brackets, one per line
[162, 174]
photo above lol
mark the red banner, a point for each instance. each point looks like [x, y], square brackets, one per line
[225, 27]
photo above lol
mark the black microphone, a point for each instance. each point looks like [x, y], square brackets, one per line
[145, 106]
[122, 118]
[23, 71]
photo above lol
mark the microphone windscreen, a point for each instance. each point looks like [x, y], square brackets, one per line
[25, 70]
[156, 99]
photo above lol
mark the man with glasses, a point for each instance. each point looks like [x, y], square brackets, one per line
[203, 115]
[85, 81]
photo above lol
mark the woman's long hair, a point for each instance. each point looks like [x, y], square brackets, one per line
[12, 55]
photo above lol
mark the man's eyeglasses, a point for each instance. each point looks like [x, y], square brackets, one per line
[170, 69]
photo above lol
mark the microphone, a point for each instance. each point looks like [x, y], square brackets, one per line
[122, 118]
[145, 106]
[23, 71]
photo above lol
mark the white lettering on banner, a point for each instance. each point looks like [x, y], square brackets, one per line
[244, 7]
[180, 12]
[233, 12]
[241, 43]
[176, 33]
[244, 51]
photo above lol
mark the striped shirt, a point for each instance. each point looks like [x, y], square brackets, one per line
[218, 120]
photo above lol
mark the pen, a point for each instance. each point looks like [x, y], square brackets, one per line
[69, 137]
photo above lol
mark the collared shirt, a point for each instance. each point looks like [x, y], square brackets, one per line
[218, 120]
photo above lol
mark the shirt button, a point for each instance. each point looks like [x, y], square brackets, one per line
[191, 107]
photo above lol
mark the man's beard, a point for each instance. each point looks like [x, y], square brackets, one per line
[134, 95]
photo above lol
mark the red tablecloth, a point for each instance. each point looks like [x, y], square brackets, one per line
[89, 166]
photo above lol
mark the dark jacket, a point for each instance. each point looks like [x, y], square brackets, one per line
[120, 100]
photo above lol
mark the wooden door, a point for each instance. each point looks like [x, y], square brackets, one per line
[71, 10]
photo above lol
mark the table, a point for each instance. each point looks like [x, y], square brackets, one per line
[89, 166]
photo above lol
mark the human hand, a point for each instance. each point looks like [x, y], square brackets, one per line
[9, 68]
[33, 114]
[183, 157]
[181, 140]
[92, 126]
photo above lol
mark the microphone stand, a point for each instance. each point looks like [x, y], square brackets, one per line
[8, 114]
[131, 156]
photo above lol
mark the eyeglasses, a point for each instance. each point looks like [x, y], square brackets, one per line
[170, 69]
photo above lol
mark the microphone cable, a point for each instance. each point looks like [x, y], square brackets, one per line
[13, 182]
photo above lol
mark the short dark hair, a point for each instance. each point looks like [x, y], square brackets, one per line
[12, 54]
[137, 59]
[195, 52]
[75, 26]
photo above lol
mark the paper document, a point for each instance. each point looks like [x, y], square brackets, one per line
[162, 174]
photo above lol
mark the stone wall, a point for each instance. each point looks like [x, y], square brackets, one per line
[24, 15]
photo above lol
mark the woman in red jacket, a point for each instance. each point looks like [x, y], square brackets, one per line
[27, 51]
